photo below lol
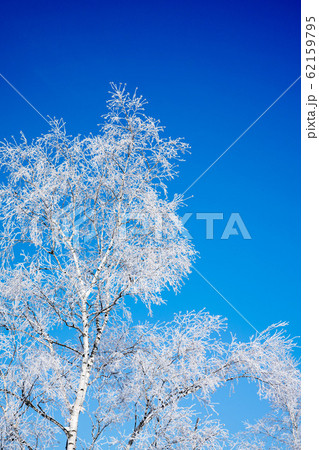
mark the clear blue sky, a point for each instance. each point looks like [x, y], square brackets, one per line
[208, 70]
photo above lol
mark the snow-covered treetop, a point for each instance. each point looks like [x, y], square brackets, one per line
[94, 209]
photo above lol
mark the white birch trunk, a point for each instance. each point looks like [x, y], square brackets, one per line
[77, 407]
[83, 385]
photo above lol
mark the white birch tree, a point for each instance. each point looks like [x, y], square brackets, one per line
[87, 229]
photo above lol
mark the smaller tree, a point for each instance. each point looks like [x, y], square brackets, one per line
[159, 384]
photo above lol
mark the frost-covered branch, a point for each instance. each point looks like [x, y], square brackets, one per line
[86, 229]
[67, 262]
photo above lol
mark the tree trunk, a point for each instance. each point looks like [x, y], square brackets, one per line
[83, 384]
[77, 407]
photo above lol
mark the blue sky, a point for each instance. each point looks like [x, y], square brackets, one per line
[208, 69]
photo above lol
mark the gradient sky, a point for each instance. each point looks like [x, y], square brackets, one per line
[208, 69]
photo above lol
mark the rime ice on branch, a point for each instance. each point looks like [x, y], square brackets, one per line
[87, 228]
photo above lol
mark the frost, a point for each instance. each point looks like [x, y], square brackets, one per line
[87, 228]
